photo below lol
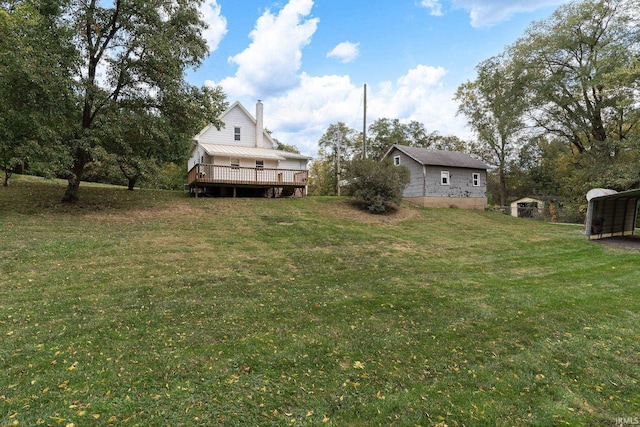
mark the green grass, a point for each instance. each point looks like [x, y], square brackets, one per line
[152, 308]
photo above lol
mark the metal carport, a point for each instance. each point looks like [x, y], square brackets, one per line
[611, 214]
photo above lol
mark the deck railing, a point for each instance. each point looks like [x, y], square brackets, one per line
[211, 174]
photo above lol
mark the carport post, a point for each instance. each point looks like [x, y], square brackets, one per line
[587, 228]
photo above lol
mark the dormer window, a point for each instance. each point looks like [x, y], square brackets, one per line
[236, 134]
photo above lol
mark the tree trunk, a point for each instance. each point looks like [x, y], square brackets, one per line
[503, 186]
[71, 194]
[7, 175]
[132, 182]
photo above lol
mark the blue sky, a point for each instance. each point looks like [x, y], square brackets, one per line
[308, 60]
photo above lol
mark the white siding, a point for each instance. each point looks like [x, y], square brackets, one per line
[236, 117]
[293, 164]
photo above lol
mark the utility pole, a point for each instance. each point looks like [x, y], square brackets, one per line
[364, 125]
[338, 162]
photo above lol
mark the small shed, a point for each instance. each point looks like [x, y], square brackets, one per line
[611, 214]
[534, 206]
[526, 207]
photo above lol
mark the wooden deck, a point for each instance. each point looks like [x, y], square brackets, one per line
[207, 175]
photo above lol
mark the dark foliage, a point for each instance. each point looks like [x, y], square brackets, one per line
[378, 184]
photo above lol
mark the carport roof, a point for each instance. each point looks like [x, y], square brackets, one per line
[611, 214]
[623, 195]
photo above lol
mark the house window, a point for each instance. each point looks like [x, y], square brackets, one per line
[259, 164]
[444, 178]
[476, 179]
[396, 161]
[236, 134]
[235, 163]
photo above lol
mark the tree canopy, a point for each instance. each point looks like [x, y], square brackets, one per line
[571, 79]
[35, 83]
[579, 72]
[494, 109]
[102, 78]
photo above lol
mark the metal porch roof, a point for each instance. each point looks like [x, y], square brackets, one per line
[250, 152]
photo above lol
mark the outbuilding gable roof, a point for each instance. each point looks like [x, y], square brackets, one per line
[429, 157]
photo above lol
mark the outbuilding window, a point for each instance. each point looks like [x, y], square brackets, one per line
[475, 177]
[396, 161]
[444, 178]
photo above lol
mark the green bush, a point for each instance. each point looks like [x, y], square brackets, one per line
[378, 184]
[165, 176]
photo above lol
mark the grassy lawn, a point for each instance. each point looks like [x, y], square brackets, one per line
[154, 309]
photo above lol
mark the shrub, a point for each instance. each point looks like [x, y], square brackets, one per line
[378, 184]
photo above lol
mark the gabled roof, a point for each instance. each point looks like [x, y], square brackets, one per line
[239, 106]
[540, 198]
[428, 157]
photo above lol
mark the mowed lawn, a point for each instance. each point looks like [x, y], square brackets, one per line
[151, 308]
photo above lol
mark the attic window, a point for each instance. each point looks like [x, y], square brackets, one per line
[236, 134]
[396, 161]
[444, 178]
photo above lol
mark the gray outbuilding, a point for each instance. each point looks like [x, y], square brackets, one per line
[442, 178]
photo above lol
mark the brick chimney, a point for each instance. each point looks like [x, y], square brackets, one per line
[259, 124]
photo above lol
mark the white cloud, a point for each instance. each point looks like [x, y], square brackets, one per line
[434, 5]
[419, 95]
[271, 63]
[211, 14]
[346, 52]
[299, 107]
[303, 114]
[487, 13]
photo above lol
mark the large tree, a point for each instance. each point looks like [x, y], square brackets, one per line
[493, 106]
[36, 91]
[580, 73]
[143, 137]
[133, 53]
[337, 146]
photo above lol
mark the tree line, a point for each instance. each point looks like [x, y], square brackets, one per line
[556, 113]
[90, 88]
[87, 85]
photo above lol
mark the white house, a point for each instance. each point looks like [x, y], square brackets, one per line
[241, 158]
